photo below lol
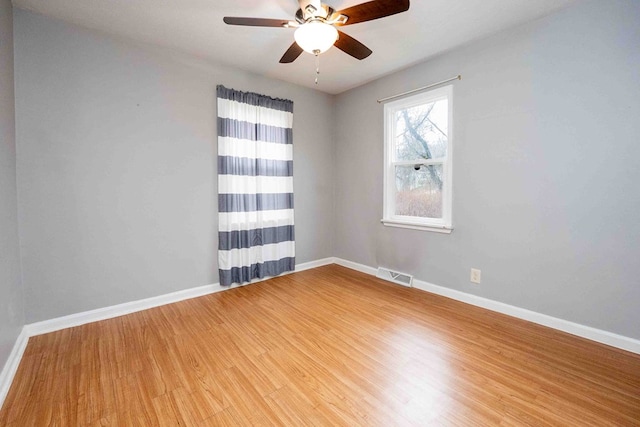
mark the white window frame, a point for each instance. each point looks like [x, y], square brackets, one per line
[441, 225]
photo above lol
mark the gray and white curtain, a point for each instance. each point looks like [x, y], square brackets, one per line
[255, 186]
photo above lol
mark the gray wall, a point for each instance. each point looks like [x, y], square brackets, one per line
[117, 167]
[546, 199]
[11, 298]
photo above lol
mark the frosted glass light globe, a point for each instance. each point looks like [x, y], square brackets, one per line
[316, 36]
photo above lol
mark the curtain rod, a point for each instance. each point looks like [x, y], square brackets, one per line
[458, 77]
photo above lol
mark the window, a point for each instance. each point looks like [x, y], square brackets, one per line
[418, 139]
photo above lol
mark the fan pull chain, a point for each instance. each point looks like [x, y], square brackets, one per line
[317, 52]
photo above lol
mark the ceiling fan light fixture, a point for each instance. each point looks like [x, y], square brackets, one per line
[316, 36]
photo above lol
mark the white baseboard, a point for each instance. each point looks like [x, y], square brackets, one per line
[11, 365]
[573, 328]
[314, 264]
[588, 332]
[82, 318]
[355, 266]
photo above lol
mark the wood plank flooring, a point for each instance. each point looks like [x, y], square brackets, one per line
[325, 347]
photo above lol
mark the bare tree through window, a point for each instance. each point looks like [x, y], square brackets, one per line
[421, 135]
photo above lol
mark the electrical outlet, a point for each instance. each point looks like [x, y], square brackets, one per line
[476, 275]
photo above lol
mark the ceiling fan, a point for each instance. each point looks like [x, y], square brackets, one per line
[316, 23]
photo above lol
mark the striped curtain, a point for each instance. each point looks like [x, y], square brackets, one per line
[255, 186]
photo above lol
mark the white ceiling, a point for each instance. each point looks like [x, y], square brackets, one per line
[195, 27]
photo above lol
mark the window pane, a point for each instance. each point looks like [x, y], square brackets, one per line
[421, 131]
[419, 192]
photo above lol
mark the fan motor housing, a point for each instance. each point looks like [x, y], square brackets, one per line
[310, 12]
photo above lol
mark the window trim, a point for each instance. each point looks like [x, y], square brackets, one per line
[440, 225]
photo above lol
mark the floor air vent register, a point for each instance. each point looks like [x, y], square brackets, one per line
[394, 276]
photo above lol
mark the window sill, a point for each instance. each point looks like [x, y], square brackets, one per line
[417, 226]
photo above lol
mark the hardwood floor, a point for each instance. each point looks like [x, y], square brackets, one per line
[328, 346]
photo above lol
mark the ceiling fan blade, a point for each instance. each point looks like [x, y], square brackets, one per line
[351, 46]
[373, 10]
[291, 54]
[256, 22]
